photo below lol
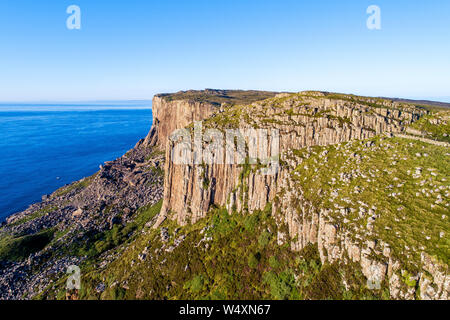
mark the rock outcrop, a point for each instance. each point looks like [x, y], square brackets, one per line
[112, 199]
[169, 116]
[302, 120]
[82, 213]
[77, 211]
[307, 224]
[176, 111]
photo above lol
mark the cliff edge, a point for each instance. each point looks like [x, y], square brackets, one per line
[349, 200]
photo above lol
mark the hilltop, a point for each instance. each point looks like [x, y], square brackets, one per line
[218, 97]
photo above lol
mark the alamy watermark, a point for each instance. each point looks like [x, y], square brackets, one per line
[74, 280]
[374, 281]
[374, 20]
[73, 22]
[233, 146]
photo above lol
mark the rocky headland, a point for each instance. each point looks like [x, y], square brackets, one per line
[357, 209]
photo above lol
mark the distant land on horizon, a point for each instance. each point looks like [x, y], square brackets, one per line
[438, 101]
[422, 102]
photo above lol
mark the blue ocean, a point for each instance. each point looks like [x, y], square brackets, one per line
[46, 146]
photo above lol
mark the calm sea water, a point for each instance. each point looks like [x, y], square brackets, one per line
[43, 147]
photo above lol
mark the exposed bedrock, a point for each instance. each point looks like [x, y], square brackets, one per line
[190, 190]
[303, 120]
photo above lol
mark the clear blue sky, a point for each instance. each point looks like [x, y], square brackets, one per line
[134, 49]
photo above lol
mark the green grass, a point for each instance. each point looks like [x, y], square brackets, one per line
[154, 153]
[75, 186]
[291, 109]
[35, 215]
[95, 244]
[410, 214]
[433, 131]
[19, 248]
[234, 265]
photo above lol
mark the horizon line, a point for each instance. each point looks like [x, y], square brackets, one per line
[441, 99]
[69, 102]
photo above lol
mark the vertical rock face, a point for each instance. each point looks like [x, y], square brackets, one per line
[176, 111]
[170, 115]
[436, 284]
[307, 224]
[302, 120]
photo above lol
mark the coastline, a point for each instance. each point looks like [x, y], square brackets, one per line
[47, 147]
